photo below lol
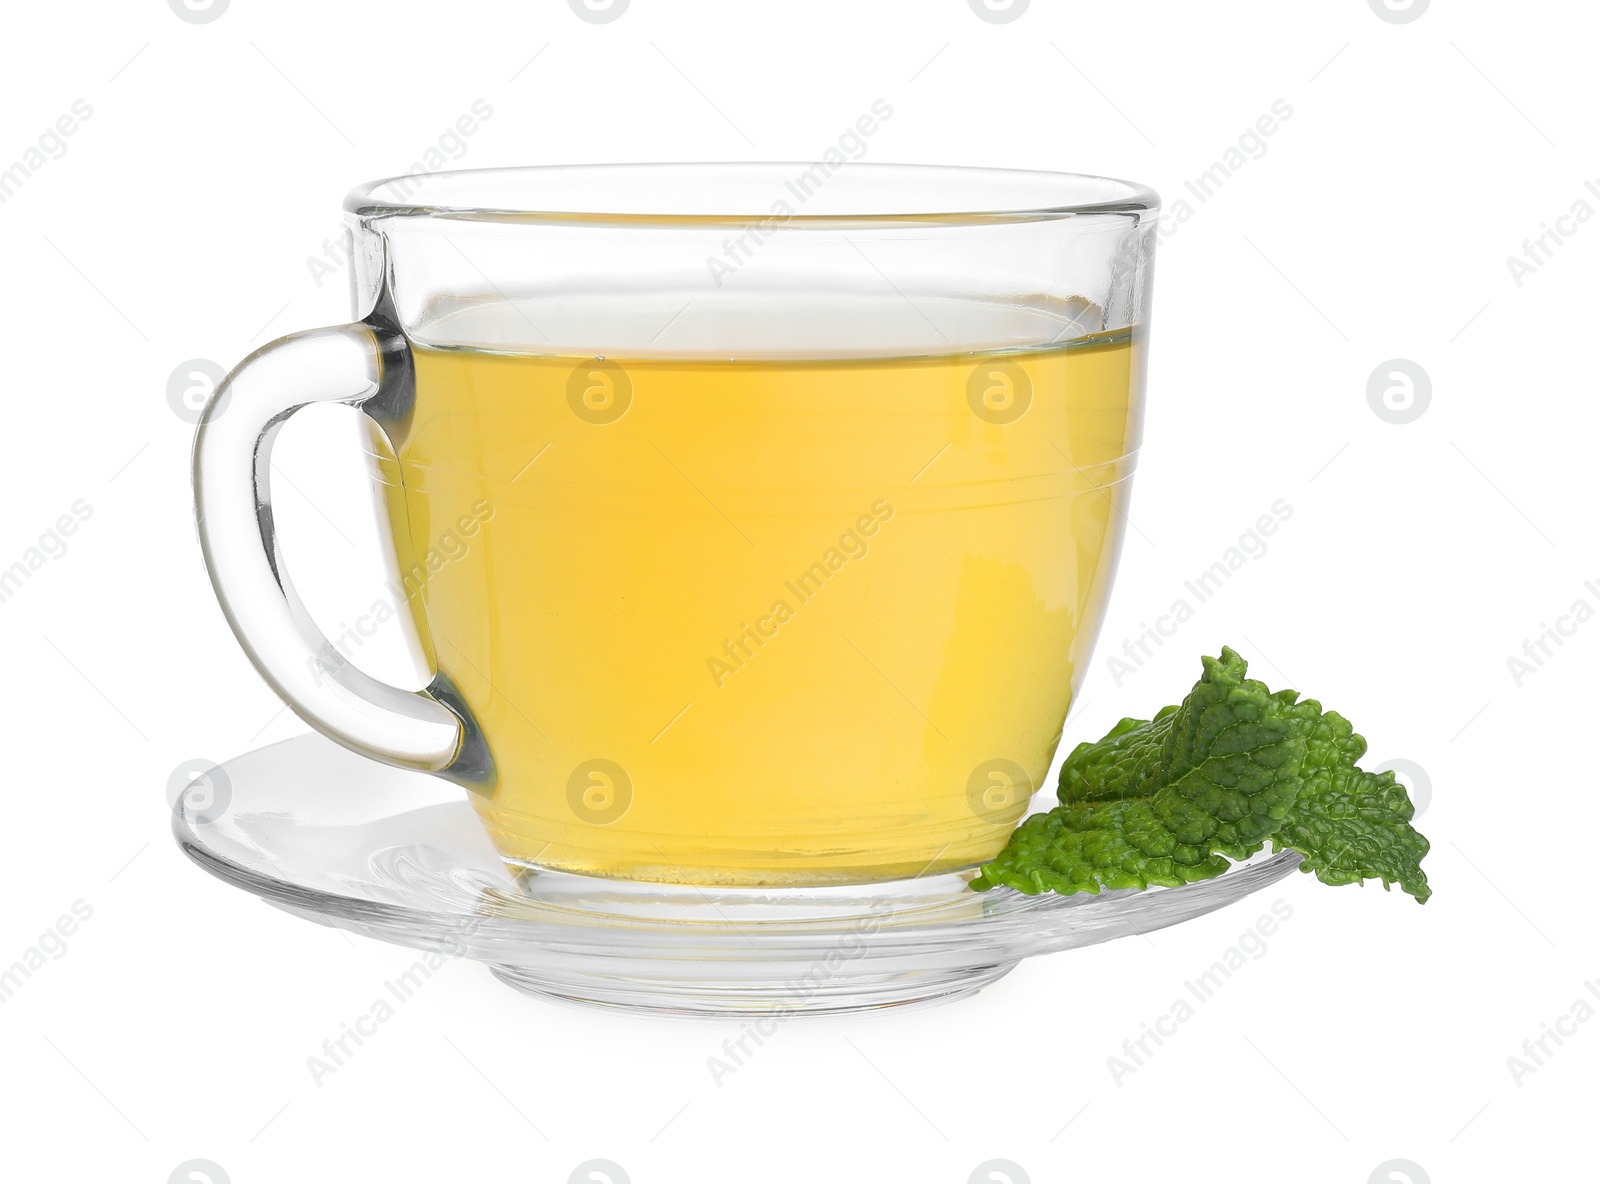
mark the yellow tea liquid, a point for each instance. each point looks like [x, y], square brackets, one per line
[769, 621]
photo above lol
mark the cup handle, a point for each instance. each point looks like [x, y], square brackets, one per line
[366, 366]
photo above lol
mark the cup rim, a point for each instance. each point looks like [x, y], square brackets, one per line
[786, 192]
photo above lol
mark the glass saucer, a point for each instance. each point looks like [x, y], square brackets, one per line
[336, 838]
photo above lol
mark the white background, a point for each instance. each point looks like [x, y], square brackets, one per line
[178, 224]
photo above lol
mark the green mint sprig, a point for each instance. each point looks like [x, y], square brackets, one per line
[1172, 799]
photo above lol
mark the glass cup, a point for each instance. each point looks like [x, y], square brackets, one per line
[756, 520]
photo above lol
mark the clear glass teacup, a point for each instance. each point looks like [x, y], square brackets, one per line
[756, 520]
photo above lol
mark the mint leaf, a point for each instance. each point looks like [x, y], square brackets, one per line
[1351, 825]
[1120, 844]
[1159, 801]
[1162, 801]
